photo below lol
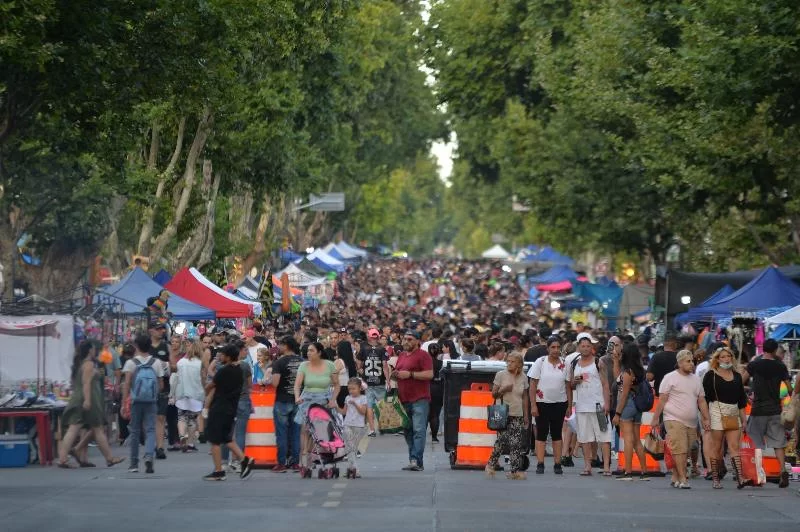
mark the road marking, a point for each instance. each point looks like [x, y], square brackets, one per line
[307, 493]
[340, 486]
[331, 504]
[334, 494]
[302, 504]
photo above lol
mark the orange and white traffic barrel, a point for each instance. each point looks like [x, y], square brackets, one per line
[475, 440]
[260, 443]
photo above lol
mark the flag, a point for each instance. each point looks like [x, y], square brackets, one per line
[265, 293]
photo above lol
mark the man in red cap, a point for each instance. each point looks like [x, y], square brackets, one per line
[372, 364]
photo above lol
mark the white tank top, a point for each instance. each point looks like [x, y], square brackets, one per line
[344, 376]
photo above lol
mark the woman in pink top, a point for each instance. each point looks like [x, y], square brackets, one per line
[680, 395]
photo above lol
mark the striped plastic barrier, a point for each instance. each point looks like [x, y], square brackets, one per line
[260, 441]
[475, 440]
[652, 466]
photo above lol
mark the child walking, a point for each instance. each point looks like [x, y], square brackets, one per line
[355, 427]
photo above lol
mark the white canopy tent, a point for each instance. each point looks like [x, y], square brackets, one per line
[791, 316]
[36, 347]
[496, 252]
[300, 279]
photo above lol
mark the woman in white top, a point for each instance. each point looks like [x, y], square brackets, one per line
[551, 399]
[346, 366]
[189, 395]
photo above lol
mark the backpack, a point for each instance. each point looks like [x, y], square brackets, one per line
[575, 364]
[144, 384]
[643, 397]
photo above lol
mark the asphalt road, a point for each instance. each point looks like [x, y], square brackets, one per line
[387, 499]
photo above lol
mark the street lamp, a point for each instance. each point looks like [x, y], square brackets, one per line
[686, 300]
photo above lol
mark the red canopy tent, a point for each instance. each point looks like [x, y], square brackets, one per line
[190, 284]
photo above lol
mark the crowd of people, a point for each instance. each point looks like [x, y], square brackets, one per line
[391, 328]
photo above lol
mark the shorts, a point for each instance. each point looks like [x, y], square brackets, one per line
[767, 432]
[187, 416]
[716, 410]
[219, 428]
[630, 412]
[375, 394]
[589, 429]
[163, 403]
[681, 438]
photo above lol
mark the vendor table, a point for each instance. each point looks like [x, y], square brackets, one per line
[44, 430]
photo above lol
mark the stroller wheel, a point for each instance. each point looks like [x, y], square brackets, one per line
[335, 472]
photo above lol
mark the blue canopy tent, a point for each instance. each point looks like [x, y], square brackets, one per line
[133, 290]
[326, 262]
[770, 289]
[548, 254]
[162, 277]
[556, 274]
[696, 313]
[352, 249]
[287, 255]
[786, 331]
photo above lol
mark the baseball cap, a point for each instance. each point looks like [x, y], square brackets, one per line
[413, 333]
[373, 333]
[586, 336]
[249, 333]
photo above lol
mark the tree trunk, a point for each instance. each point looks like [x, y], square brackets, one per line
[148, 216]
[795, 223]
[198, 248]
[199, 142]
[256, 254]
[115, 257]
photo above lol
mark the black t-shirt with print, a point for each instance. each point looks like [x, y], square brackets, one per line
[766, 376]
[372, 358]
[286, 367]
[662, 363]
[161, 352]
[228, 382]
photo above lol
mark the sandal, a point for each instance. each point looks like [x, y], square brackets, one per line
[586, 473]
[114, 461]
[65, 465]
[81, 463]
[607, 473]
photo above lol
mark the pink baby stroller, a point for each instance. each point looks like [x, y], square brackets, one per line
[329, 446]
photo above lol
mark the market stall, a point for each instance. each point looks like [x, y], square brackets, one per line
[190, 284]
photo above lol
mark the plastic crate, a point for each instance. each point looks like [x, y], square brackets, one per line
[14, 450]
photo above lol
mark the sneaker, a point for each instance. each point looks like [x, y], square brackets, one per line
[295, 468]
[784, 481]
[597, 463]
[174, 448]
[684, 485]
[133, 469]
[233, 466]
[280, 468]
[558, 470]
[148, 466]
[372, 434]
[160, 454]
[566, 461]
[201, 437]
[247, 468]
[539, 469]
[216, 476]
[412, 466]
[416, 467]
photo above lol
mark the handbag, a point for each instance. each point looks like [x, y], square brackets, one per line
[789, 412]
[392, 417]
[728, 422]
[497, 416]
[654, 444]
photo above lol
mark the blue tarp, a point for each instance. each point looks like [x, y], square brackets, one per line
[548, 254]
[608, 297]
[287, 255]
[770, 289]
[133, 290]
[162, 277]
[556, 274]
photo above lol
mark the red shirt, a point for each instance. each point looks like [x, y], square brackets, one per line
[411, 390]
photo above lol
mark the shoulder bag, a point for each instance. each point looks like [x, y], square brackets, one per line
[728, 422]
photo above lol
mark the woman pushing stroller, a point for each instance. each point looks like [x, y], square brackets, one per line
[317, 383]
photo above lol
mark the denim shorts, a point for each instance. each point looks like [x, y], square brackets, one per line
[630, 412]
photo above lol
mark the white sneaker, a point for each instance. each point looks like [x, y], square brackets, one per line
[234, 466]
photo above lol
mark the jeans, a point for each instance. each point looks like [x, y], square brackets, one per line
[417, 429]
[240, 429]
[287, 432]
[142, 413]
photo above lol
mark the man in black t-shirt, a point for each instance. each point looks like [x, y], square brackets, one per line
[226, 388]
[373, 365]
[664, 361]
[764, 426]
[160, 350]
[287, 432]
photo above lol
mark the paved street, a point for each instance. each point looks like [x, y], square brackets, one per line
[386, 499]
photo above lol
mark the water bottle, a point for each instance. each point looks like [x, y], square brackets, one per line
[602, 420]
